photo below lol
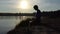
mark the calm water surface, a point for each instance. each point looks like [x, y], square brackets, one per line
[9, 22]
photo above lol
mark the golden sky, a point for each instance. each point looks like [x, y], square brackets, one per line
[24, 6]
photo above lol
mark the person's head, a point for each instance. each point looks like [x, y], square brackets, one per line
[35, 7]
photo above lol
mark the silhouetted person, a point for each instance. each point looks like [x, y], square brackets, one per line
[38, 14]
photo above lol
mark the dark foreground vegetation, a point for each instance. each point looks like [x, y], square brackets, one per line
[50, 24]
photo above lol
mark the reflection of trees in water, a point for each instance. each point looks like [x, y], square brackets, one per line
[15, 17]
[9, 17]
[25, 17]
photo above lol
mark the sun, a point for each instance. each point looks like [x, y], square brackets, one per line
[24, 5]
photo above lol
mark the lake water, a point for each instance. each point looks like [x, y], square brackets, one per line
[9, 22]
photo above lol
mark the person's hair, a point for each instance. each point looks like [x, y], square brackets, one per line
[35, 7]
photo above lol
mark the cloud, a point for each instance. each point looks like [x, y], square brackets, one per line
[10, 5]
[49, 5]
